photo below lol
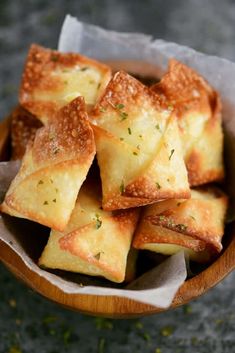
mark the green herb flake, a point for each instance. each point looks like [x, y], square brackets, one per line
[40, 182]
[182, 227]
[65, 82]
[121, 139]
[56, 190]
[167, 331]
[97, 256]
[129, 130]
[158, 185]
[119, 106]
[51, 180]
[139, 325]
[12, 303]
[162, 218]
[56, 150]
[146, 336]
[98, 86]
[101, 345]
[84, 68]
[192, 217]
[123, 115]
[91, 82]
[98, 221]
[158, 350]
[171, 154]
[54, 200]
[15, 349]
[103, 324]
[45, 203]
[49, 319]
[158, 127]
[122, 187]
[102, 109]
[67, 336]
[140, 136]
[135, 153]
[187, 309]
[54, 58]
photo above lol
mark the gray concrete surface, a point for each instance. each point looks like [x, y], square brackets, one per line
[28, 322]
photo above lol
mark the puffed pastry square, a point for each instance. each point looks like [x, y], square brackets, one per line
[52, 79]
[138, 146]
[198, 109]
[95, 242]
[53, 169]
[195, 225]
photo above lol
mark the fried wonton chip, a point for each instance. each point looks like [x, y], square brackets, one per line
[95, 242]
[53, 169]
[23, 129]
[138, 146]
[52, 79]
[195, 225]
[198, 108]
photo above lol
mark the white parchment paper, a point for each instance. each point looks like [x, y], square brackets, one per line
[158, 286]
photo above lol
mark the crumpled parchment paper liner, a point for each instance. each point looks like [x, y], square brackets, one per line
[158, 286]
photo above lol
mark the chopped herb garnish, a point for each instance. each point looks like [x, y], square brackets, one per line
[40, 182]
[54, 200]
[51, 180]
[167, 331]
[102, 323]
[121, 139]
[140, 136]
[56, 190]
[102, 109]
[139, 325]
[129, 130]
[119, 106]
[168, 179]
[45, 203]
[54, 58]
[158, 185]
[101, 345]
[135, 153]
[48, 319]
[84, 68]
[158, 127]
[98, 86]
[192, 217]
[162, 218]
[66, 336]
[146, 336]
[171, 154]
[123, 115]
[97, 256]
[122, 187]
[98, 221]
[182, 227]
[91, 82]
[187, 309]
[158, 350]
[65, 82]
[56, 150]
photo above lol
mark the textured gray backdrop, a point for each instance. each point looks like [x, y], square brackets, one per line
[29, 323]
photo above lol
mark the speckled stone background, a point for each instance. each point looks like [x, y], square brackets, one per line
[28, 322]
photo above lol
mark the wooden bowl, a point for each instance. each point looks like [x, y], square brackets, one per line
[110, 306]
